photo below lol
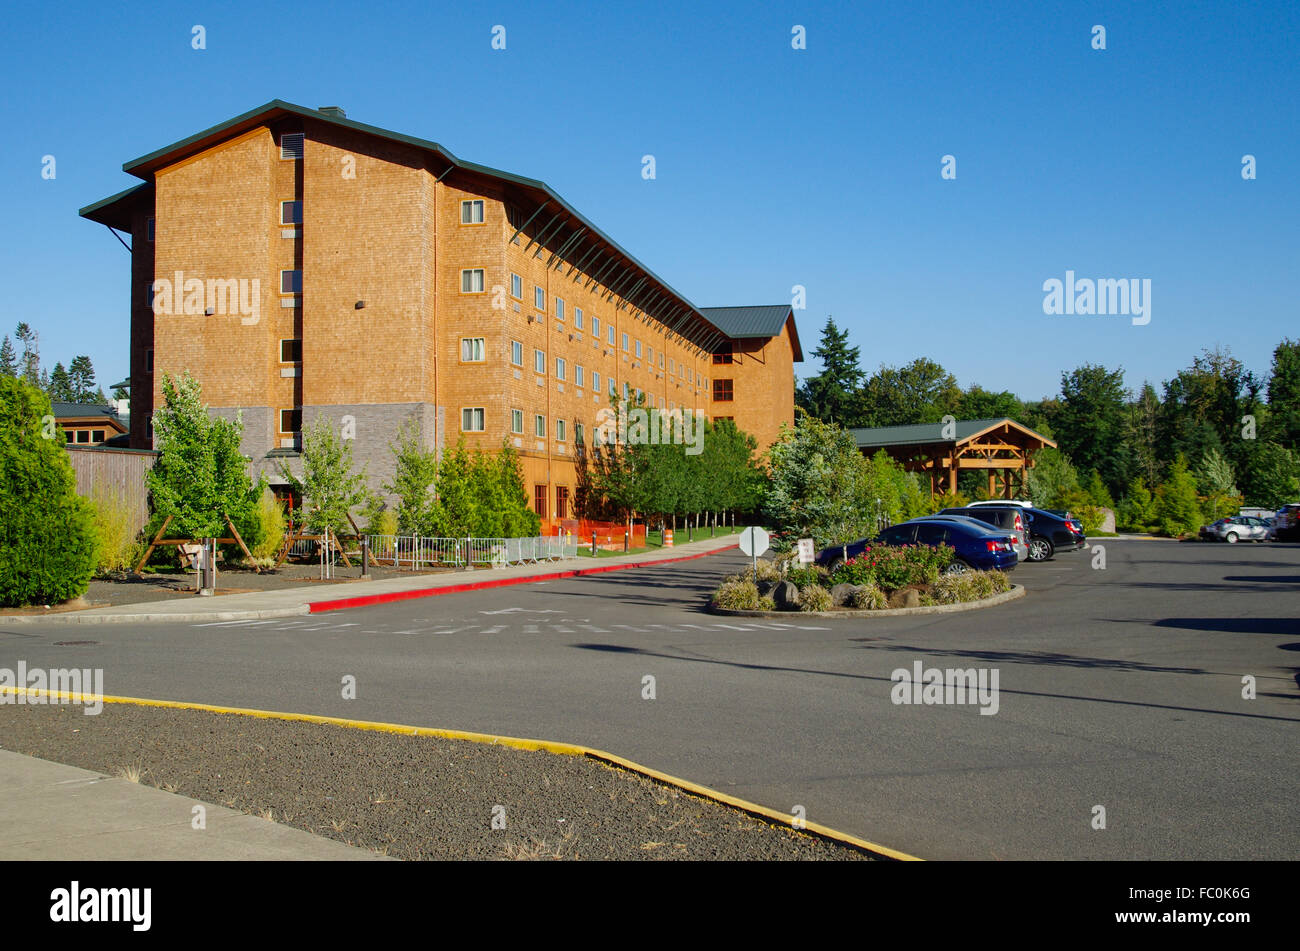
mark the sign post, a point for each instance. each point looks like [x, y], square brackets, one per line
[753, 542]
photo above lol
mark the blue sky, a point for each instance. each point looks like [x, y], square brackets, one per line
[775, 167]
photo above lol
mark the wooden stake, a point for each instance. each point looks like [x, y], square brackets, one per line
[244, 548]
[149, 551]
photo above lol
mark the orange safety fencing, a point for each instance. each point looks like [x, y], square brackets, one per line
[609, 535]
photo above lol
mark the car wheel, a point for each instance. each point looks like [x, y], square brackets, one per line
[957, 567]
[1231, 539]
[1040, 549]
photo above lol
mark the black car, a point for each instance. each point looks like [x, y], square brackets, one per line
[1050, 533]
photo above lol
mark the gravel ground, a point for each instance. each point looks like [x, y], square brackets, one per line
[408, 797]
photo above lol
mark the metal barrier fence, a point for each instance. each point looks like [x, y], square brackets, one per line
[414, 552]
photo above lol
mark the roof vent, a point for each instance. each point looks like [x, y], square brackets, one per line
[334, 112]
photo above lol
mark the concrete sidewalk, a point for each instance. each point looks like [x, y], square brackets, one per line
[53, 812]
[293, 601]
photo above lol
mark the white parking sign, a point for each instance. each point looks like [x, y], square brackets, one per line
[806, 553]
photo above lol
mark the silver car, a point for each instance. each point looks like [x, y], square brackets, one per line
[1238, 528]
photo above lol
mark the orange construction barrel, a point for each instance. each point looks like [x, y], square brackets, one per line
[668, 538]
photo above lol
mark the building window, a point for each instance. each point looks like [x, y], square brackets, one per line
[624, 343]
[471, 349]
[559, 368]
[148, 228]
[595, 382]
[290, 212]
[517, 421]
[290, 351]
[471, 419]
[291, 145]
[559, 308]
[516, 353]
[610, 328]
[291, 282]
[290, 421]
[613, 387]
[471, 211]
[650, 355]
[83, 435]
[638, 349]
[723, 354]
[560, 430]
[149, 291]
[672, 368]
[539, 298]
[579, 376]
[579, 434]
[99, 436]
[68, 435]
[148, 361]
[516, 286]
[722, 392]
[561, 501]
[661, 359]
[626, 392]
[577, 318]
[539, 426]
[539, 500]
[471, 280]
[539, 361]
[148, 426]
[595, 328]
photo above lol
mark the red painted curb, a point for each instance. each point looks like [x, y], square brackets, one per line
[365, 600]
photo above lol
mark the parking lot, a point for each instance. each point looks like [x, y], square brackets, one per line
[1120, 687]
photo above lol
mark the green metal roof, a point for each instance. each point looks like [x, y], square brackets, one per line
[761, 320]
[931, 433]
[706, 333]
[93, 212]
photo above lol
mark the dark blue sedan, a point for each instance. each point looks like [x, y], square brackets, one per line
[975, 547]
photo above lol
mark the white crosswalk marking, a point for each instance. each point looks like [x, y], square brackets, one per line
[495, 630]
[734, 627]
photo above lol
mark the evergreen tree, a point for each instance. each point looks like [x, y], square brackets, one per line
[1218, 487]
[8, 359]
[29, 365]
[830, 395]
[60, 388]
[1090, 423]
[1284, 396]
[48, 543]
[1177, 509]
[1138, 510]
[920, 392]
[81, 381]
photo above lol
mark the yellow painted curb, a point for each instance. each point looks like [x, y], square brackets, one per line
[561, 749]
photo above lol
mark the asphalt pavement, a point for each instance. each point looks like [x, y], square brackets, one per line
[1121, 728]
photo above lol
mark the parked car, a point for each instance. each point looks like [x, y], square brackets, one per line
[1286, 523]
[976, 547]
[1011, 519]
[1238, 528]
[1050, 533]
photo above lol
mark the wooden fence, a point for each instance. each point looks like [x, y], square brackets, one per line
[108, 473]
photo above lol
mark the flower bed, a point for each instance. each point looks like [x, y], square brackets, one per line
[881, 577]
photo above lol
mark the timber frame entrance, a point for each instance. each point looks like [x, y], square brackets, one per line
[1003, 448]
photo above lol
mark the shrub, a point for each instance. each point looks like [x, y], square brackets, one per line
[895, 566]
[815, 598]
[385, 522]
[765, 603]
[854, 571]
[807, 576]
[269, 516]
[120, 545]
[949, 500]
[737, 596]
[48, 543]
[868, 597]
[969, 586]
[767, 571]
